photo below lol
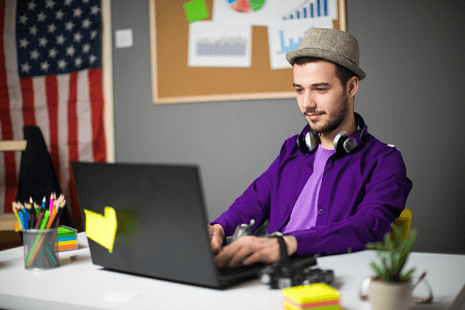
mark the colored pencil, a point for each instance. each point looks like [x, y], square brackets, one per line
[39, 219]
[50, 207]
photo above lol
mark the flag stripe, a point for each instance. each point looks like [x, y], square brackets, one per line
[27, 90]
[72, 119]
[42, 117]
[63, 82]
[52, 104]
[83, 109]
[96, 98]
[72, 138]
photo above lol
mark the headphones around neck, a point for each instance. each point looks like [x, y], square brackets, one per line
[341, 142]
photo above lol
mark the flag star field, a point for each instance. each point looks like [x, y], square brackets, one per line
[56, 37]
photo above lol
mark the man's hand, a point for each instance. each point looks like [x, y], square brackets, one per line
[216, 236]
[254, 249]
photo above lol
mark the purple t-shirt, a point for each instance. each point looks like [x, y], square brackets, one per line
[305, 210]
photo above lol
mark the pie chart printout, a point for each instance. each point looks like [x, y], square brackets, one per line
[246, 6]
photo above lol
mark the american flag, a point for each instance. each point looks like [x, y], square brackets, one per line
[51, 77]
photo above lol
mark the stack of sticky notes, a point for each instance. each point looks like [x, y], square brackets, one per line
[67, 238]
[319, 296]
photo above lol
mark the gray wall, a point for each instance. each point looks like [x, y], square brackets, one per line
[413, 97]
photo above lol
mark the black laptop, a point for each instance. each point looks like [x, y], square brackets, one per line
[161, 222]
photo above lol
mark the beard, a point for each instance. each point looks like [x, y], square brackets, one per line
[334, 120]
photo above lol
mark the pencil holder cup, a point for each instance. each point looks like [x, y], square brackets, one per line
[40, 249]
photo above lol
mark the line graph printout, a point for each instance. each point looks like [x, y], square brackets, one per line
[213, 44]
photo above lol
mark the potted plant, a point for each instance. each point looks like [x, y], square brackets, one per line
[391, 289]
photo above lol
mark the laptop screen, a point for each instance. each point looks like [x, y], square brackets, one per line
[161, 222]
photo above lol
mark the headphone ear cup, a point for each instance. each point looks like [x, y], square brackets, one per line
[307, 144]
[312, 141]
[339, 140]
[301, 144]
[349, 145]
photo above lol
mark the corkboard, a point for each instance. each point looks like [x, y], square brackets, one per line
[174, 82]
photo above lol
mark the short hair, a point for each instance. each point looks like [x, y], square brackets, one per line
[342, 73]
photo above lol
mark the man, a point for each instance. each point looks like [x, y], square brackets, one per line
[334, 187]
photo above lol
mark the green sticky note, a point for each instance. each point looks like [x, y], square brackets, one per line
[196, 10]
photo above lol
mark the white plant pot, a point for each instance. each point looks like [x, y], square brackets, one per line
[389, 296]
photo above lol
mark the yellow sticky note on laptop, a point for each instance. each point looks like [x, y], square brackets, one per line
[102, 229]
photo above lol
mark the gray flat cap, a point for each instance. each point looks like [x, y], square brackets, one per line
[329, 44]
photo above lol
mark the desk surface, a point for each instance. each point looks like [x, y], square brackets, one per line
[81, 285]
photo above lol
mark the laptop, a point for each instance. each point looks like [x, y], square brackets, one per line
[161, 222]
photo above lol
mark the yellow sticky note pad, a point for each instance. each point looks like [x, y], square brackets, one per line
[315, 296]
[102, 229]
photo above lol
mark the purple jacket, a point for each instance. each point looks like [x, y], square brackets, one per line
[361, 194]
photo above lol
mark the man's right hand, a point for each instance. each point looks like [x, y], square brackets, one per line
[216, 236]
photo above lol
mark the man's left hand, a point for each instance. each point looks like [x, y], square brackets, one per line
[254, 249]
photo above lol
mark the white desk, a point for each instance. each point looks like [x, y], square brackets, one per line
[82, 285]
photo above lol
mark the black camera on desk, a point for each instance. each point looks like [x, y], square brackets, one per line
[279, 275]
[286, 272]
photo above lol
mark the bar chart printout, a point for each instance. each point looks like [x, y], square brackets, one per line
[286, 36]
[213, 44]
[309, 9]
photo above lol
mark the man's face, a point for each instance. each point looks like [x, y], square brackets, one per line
[322, 100]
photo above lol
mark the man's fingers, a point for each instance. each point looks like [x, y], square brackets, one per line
[228, 252]
[215, 242]
[216, 237]
[248, 250]
[239, 255]
[267, 255]
[254, 258]
[224, 256]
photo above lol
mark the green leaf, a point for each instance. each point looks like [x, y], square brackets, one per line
[374, 246]
[389, 260]
[396, 259]
[407, 275]
[387, 242]
[396, 264]
[407, 245]
[381, 254]
[397, 234]
[379, 271]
